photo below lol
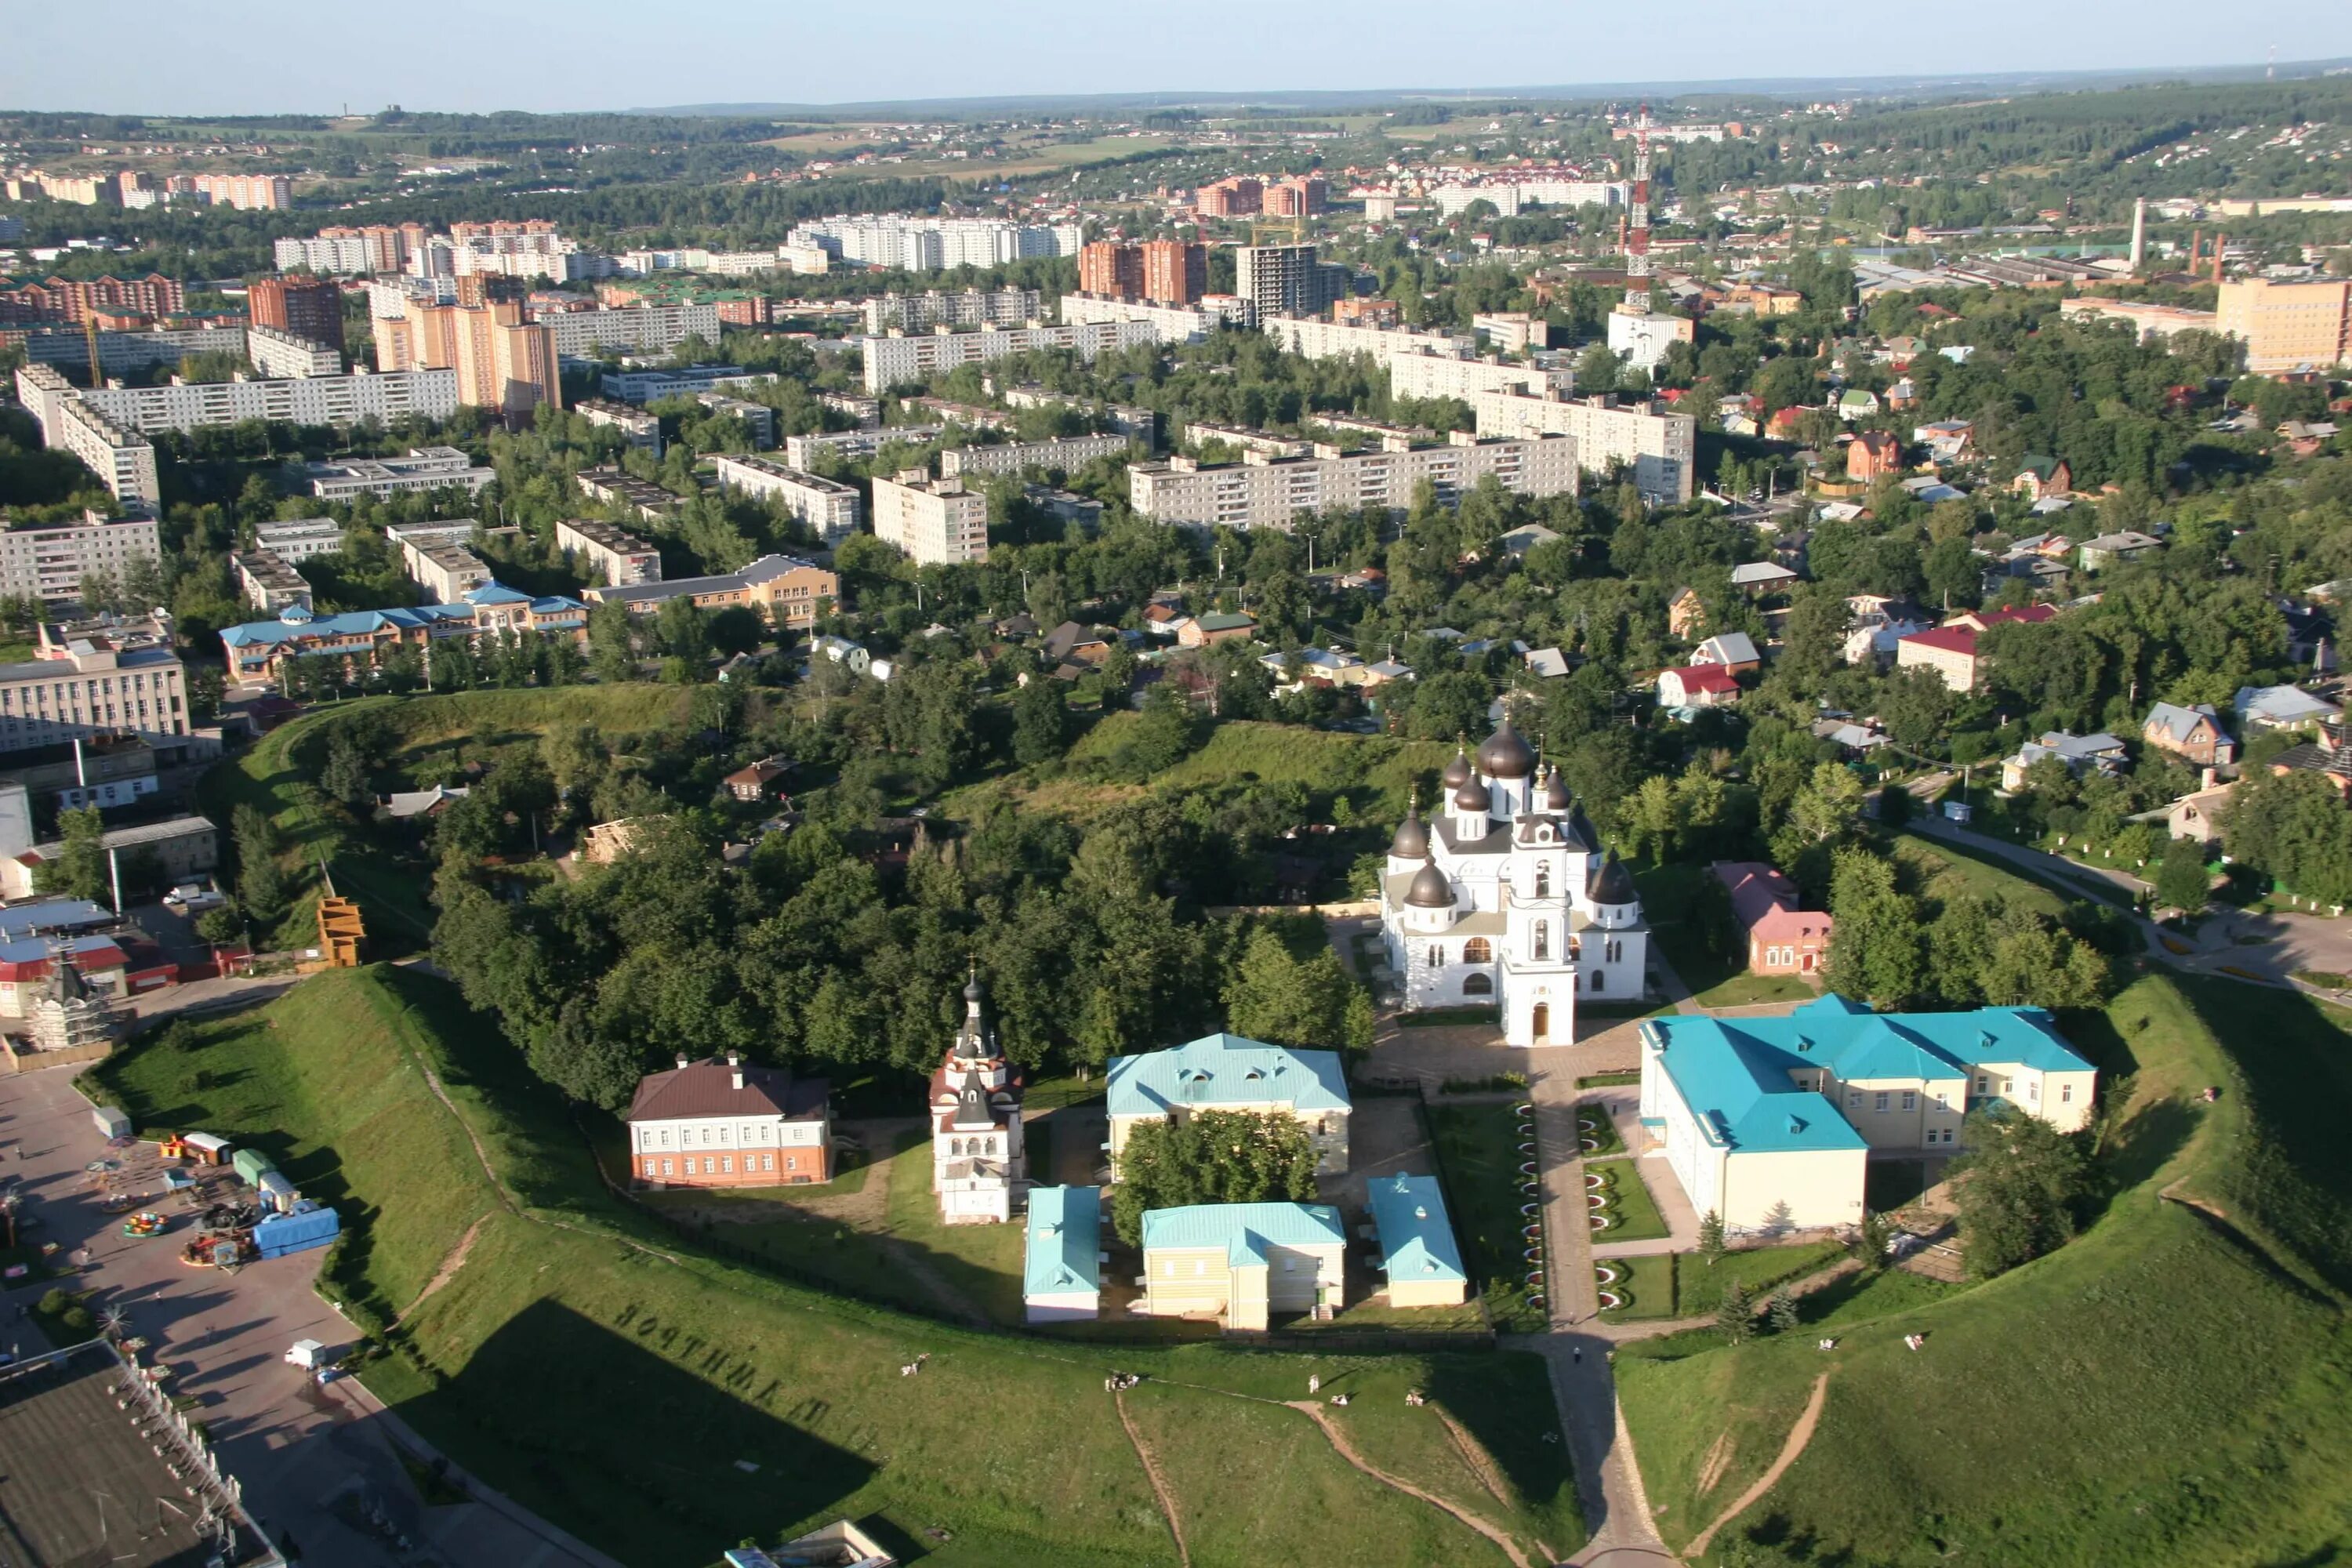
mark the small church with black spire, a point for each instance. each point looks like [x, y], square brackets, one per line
[977, 1169]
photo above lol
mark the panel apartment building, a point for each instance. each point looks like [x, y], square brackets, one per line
[1659, 450]
[124, 460]
[830, 509]
[424, 469]
[386, 396]
[618, 557]
[1289, 279]
[1170, 324]
[1266, 491]
[310, 308]
[279, 354]
[932, 244]
[48, 564]
[891, 361]
[1065, 452]
[971, 307]
[937, 522]
[639, 329]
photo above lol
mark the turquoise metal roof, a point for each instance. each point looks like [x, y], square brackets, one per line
[1225, 1070]
[1735, 1073]
[1065, 1241]
[1244, 1230]
[1417, 1237]
[303, 626]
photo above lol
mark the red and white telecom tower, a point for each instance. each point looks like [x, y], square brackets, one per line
[1637, 238]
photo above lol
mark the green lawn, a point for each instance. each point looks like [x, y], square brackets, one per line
[1633, 1212]
[1746, 990]
[1648, 1286]
[1595, 1123]
[1669, 898]
[577, 1325]
[1477, 1154]
[1700, 1287]
[2168, 1389]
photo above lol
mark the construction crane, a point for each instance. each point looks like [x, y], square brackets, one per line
[89, 337]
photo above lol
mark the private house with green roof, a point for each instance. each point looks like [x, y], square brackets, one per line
[1417, 1247]
[1233, 1072]
[1243, 1264]
[1061, 1271]
[1771, 1122]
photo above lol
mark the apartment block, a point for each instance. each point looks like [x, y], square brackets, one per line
[639, 329]
[1067, 452]
[1106, 266]
[892, 361]
[1385, 315]
[642, 429]
[424, 469]
[299, 539]
[439, 558]
[1170, 323]
[1175, 272]
[1511, 331]
[793, 591]
[805, 452]
[71, 300]
[653, 385]
[122, 351]
[1296, 195]
[1659, 451]
[502, 362]
[49, 564]
[270, 584]
[90, 682]
[375, 248]
[937, 522]
[2288, 326]
[310, 308]
[1289, 281]
[930, 244]
[276, 352]
[756, 418]
[1434, 376]
[970, 307]
[1312, 339]
[619, 558]
[301, 400]
[1236, 195]
[648, 500]
[829, 508]
[1266, 491]
[247, 193]
[124, 460]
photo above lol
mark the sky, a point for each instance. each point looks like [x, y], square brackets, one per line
[304, 56]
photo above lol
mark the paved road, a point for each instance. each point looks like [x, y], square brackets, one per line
[307, 1458]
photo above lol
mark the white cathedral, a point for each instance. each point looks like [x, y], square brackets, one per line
[1503, 898]
[978, 1167]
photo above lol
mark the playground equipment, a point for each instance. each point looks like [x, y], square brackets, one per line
[147, 1222]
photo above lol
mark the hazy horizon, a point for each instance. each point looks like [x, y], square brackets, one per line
[591, 55]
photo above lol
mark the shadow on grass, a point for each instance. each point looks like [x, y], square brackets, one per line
[543, 1388]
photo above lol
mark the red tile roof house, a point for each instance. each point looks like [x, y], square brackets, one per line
[720, 1123]
[1699, 686]
[1872, 455]
[1951, 651]
[1781, 938]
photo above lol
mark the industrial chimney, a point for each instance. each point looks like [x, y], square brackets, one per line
[2139, 236]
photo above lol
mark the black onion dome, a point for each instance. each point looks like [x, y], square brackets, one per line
[1555, 796]
[1429, 890]
[1473, 795]
[1457, 771]
[1505, 757]
[1613, 884]
[971, 991]
[1412, 840]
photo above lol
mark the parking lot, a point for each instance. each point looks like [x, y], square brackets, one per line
[319, 1464]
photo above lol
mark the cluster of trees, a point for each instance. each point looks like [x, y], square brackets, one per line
[2290, 826]
[1210, 1157]
[1898, 951]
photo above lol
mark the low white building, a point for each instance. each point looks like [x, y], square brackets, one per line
[49, 564]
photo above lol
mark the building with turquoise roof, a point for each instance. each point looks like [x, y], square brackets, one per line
[1243, 1263]
[257, 649]
[1772, 1123]
[1233, 1072]
[1061, 1271]
[1418, 1252]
